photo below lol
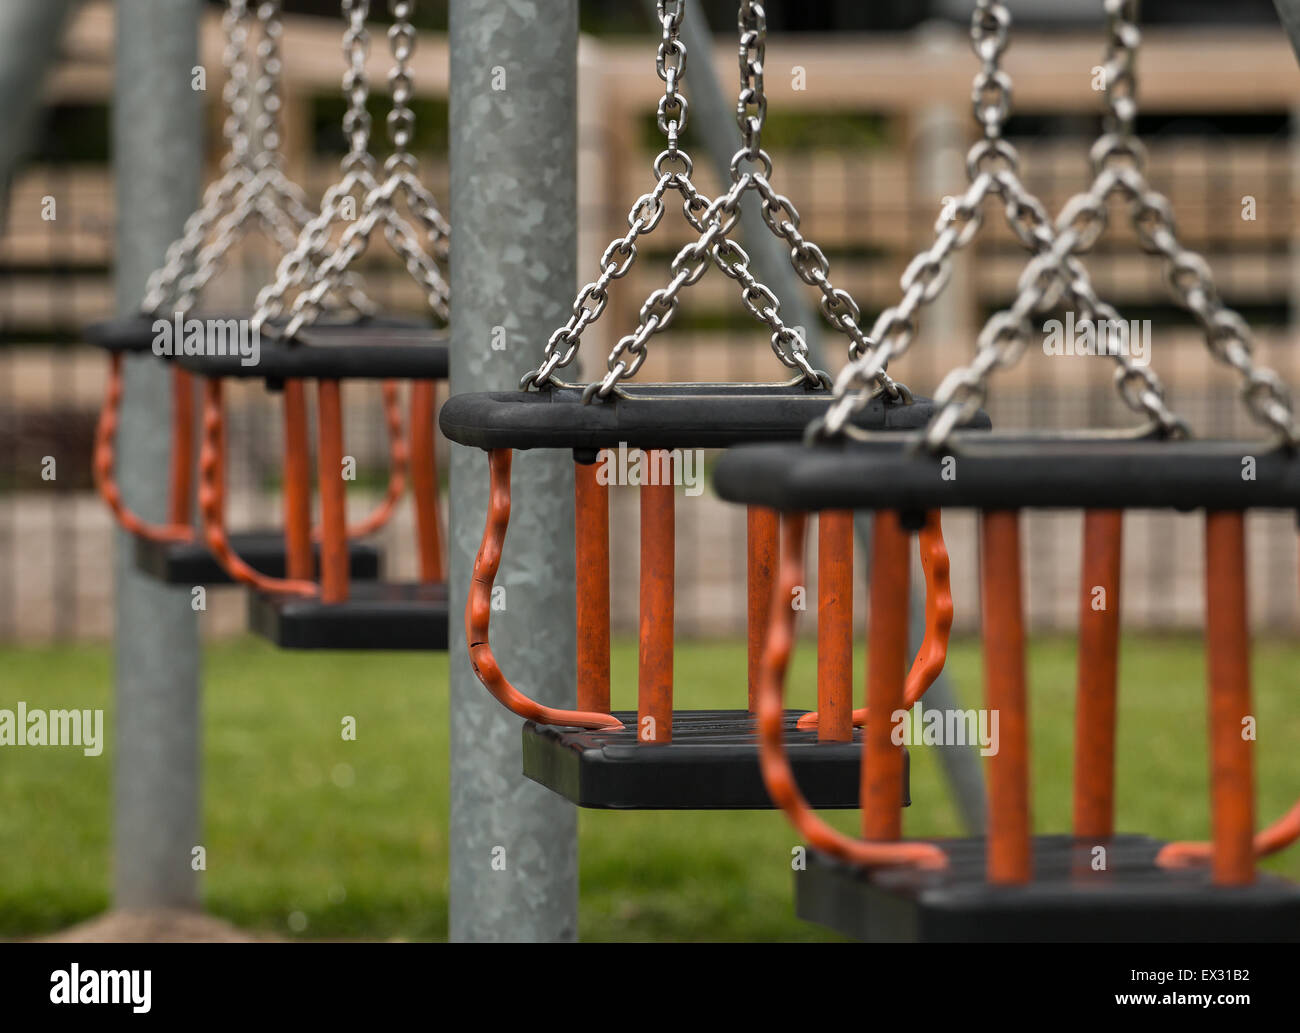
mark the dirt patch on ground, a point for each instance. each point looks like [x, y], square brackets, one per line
[156, 927]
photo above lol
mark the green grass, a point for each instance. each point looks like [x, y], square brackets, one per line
[352, 835]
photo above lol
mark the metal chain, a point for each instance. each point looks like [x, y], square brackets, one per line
[992, 169]
[1118, 160]
[713, 220]
[299, 264]
[672, 169]
[378, 206]
[253, 185]
[236, 170]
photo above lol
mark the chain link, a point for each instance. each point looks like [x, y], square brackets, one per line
[1118, 161]
[378, 207]
[252, 185]
[750, 170]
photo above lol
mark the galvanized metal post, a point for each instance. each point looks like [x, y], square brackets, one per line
[1289, 12]
[157, 144]
[514, 851]
[30, 31]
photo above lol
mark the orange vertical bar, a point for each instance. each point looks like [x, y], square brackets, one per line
[658, 546]
[1094, 715]
[1010, 857]
[882, 759]
[333, 501]
[297, 483]
[1227, 645]
[424, 482]
[180, 494]
[591, 549]
[762, 552]
[835, 626]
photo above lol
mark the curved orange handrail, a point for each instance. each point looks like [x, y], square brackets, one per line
[933, 652]
[775, 765]
[478, 612]
[212, 506]
[106, 461]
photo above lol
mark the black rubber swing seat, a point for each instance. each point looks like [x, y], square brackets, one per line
[1001, 472]
[377, 616]
[1132, 900]
[365, 351]
[136, 333]
[191, 563]
[659, 416]
[710, 764]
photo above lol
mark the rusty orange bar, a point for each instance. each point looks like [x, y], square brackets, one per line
[1010, 856]
[104, 467]
[658, 547]
[882, 759]
[762, 536]
[835, 625]
[478, 612]
[933, 654]
[424, 482]
[591, 549]
[399, 456]
[212, 500]
[180, 484]
[1227, 643]
[333, 498]
[773, 760]
[299, 562]
[1097, 685]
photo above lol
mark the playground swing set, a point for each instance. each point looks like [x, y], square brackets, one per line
[809, 445]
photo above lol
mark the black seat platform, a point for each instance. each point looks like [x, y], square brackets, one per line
[659, 416]
[1067, 901]
[710, 764]
[191, 563]
[1001, 472]
[376, 616]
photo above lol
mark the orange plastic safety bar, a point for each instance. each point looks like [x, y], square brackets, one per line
[178, 528]
[478, 612]
[933, 652]
[212, 502]
[1235, 847]
[775, 764]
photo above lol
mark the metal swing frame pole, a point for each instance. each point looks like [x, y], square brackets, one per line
[514, 846]
[157, 143]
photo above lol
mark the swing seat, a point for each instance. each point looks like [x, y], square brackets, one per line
[710, 764]
[376, 616]
[659, 416]
[1001, 472]
[1133, 900]
[710, 761]
[135, 334]
[369, 349]
[191, 563]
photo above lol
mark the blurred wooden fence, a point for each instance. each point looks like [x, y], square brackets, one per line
[870, 207]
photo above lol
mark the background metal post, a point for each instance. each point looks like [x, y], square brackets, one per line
[514, 850]
[157, 147]
[714, 116]
[30, 31]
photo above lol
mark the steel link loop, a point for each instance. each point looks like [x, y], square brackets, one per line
[1119, 163]
[319, 273]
